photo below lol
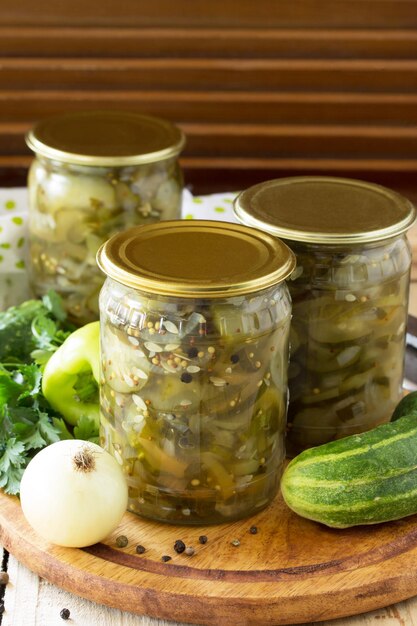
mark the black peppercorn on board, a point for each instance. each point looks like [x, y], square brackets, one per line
[289, 571]
[273, 568]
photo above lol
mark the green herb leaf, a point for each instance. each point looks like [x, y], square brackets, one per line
[61, 428]
[44, 330]
[30, 378]
[29, 334]
[33, 325]
[47, 429]
[9, 389]
[86, 429]
[54, 304]
[12, 455]
[15, 330]
[33, 440]
[10, 482]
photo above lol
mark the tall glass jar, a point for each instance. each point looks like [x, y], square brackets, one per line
[95, 174]
[194, 337]
[350, 300]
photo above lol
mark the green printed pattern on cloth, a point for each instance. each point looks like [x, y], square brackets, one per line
[217, 206]
[14, 284]
[14, 224]
[13, 230]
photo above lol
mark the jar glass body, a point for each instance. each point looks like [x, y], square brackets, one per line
[347, 338]
[73, 209]
[194, 399]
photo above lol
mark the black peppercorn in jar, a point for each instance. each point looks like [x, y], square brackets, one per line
[350, 299]
[194, 337]
[95, 174]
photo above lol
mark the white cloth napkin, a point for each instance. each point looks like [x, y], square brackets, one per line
[14, 285]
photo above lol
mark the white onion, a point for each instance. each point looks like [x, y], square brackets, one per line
[73, 493]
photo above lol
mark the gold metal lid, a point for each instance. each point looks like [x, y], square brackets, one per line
[106, 138]
[198, 258]
[325, 210]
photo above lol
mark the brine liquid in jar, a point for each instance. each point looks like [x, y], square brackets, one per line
[350, 299]
[194, 386]
[347, 339]
[95, 174]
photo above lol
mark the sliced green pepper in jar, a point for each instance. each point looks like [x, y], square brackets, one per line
[193, 401]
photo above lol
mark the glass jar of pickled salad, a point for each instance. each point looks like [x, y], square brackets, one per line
[195, 323]
[350, 299]
[95, 174]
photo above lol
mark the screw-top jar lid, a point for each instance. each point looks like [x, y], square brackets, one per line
[325, 210]
[106, 138]
[196, 258]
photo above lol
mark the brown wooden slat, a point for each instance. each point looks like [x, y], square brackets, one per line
[385, 167]
[280, 87]
[222, 13]
[207, 42]
[203, 175]
[12, 138]
[212, 74]
[298, 141]
[220, 106]
[271, 141]
[302, 164]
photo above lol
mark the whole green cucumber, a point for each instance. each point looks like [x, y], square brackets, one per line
[406, 406]
[361, 479]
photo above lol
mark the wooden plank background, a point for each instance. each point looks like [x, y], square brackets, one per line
[262, 89]
[286, 13]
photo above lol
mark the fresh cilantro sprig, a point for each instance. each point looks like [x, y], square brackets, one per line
[25, 423]
[29, 334]
[33, 330]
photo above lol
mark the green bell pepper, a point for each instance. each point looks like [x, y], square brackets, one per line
[71, 376]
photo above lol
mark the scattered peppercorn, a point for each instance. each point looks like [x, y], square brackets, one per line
[253, 530]
[235, 543]
[235, 358]
[186, 377]
[203, 539]
[65, 614]
[4, 578]
[166, 558]
[140, 549]
[179, 546]
[189, 551]
[192, 352]
[122, 541]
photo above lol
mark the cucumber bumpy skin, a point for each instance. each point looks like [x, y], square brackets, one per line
[362, 479]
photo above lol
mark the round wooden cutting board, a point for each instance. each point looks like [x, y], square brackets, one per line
[291, 571]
